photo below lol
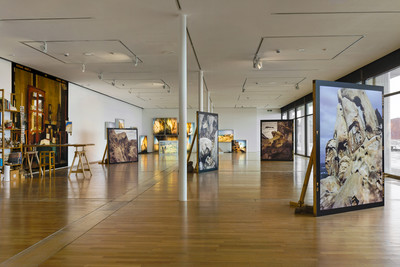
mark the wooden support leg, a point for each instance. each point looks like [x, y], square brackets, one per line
[87, 162]
[39, 163]
[28, 158]
[72, 165]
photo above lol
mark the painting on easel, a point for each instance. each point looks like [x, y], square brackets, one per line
[349, 147]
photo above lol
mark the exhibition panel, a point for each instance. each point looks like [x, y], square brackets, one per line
[122, 145]
[276, 140]
[349, 147]
[207, 145]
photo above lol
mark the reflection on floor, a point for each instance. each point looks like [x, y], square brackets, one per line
[128, 215]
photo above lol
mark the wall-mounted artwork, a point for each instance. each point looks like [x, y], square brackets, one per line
[168, 147]
[207, 145]
[119, 123]
[165, 126]
[276, 140]
[155, 144]
[225, 136]
[239, 146]
[122, 145]
[158, 126]
[143, 143]
[171, 126]
[349, 147]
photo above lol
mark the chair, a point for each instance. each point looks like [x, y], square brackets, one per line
[47, 158]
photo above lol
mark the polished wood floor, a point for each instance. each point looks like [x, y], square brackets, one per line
[129, 215]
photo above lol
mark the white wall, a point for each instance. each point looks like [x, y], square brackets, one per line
[88, 112]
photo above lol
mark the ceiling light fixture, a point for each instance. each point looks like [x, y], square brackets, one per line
[83, 68]
[297, 86]
[43, 47]
[257, 64]
[113, 83]
[100, 76]
[136, 61]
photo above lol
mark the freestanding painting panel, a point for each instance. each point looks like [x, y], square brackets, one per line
[207, 145]
[239, 146]
[349, 147]
[143, 143]
[122, 145]
[168, 147]
[277, 140]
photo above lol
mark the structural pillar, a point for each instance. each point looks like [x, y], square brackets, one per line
[182, 178]
[208, 102]
[201, 84]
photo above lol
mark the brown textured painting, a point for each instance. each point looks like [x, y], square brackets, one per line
[122, 145]
[277, 140]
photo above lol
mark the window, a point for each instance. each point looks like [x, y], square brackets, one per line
[292, 114]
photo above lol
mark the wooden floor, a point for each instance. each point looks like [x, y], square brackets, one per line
[128, 215]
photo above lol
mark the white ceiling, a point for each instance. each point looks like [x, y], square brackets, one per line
[297, 42]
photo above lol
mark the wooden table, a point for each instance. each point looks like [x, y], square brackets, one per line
[80, 154]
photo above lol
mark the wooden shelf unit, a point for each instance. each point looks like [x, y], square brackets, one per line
[15, 133]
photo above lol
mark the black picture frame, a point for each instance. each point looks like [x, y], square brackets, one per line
[207, 133]
[345, 176]
[129, 141]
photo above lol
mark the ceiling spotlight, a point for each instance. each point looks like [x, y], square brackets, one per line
[130, 91]
[100, 76]
[43, 47]
[257, 64]
[66, 54]
[297, 86]
[83, 68]
[278, 51]
[113, 82]
[243, 89]
[136, 61]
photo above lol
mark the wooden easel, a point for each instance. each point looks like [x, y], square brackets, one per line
[196, 169]
[300, 204]
[104, 160]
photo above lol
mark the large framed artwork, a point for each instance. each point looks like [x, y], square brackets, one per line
[239, 146]
[122, 145]
[143, 143]
[207, 144]
[348, 142]
[165, 126]
[276, 140]
[168, 147]
[225, 136]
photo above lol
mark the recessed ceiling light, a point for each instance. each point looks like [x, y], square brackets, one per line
[88, 54]
[301, 50]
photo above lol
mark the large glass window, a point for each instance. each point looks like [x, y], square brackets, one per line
[310, 134]
[391, 83]
[300, 133]
[292, 114]
[284, 116]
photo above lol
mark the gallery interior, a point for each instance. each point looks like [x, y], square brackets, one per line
[291, 155]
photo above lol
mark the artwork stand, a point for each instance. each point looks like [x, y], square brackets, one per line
[104, 160]
[196, 169]
[300, 207]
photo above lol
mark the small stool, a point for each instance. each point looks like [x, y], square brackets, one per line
[47, 158]
[30, 156]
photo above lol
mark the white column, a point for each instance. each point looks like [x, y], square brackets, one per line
[182, 178]
[208, 102]
[201, 83]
